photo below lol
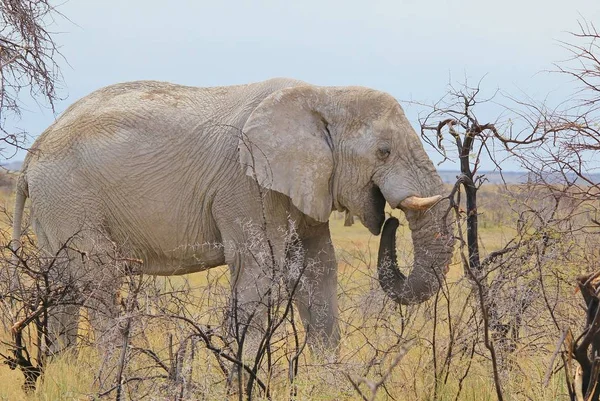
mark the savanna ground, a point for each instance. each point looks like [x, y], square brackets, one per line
[434, 351]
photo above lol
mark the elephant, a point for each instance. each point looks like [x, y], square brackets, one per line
[166, 172]
[348, 219]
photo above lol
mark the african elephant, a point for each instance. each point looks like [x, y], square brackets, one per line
[167, 171]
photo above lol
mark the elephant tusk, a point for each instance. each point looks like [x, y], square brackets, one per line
[416, 203]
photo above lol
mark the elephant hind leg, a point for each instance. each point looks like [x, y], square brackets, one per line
[100, 278]
[62, 328]
[102, 306]
[63, 316]
[84, 273]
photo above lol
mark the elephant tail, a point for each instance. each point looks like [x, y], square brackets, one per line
[22, 193]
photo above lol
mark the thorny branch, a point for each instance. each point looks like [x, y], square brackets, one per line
[28, 61]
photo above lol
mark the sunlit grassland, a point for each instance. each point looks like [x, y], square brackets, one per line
[368, 322]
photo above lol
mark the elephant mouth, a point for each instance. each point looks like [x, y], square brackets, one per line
[375, 213]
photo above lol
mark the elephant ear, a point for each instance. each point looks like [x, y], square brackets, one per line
[285, 146]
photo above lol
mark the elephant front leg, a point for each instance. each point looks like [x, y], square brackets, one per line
[315, 291]
[255, 286]
[249, 305]
[250, 322]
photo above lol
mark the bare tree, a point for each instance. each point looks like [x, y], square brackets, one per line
[28, 62]
[572, 159]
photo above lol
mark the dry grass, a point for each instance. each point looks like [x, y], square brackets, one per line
[367, 328]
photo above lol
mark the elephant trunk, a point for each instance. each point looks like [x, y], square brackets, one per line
[433, 246]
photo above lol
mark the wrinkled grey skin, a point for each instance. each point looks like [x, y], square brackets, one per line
[163, 171]
[429, 258]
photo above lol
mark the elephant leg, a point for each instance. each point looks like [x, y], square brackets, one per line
[102, 305]
[62, 328]
[250, 302]
[96, 283]
[249, 306]
[315, 291]
[102, 309]
[88, 270]
[63, 318]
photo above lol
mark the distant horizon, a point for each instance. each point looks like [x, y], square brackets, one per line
[496, 176]
[15, 163]
[19, 162]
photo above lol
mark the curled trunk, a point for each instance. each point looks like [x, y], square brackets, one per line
[433, 246]
[387, 261]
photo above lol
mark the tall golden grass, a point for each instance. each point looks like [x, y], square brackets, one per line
[369, 324]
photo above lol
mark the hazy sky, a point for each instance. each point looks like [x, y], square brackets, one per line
[411, 49]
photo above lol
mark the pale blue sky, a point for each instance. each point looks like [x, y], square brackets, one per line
[410, 49]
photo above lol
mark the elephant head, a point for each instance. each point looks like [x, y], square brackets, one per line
[352, 149]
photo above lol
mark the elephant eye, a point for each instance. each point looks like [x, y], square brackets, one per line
[383, 153]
